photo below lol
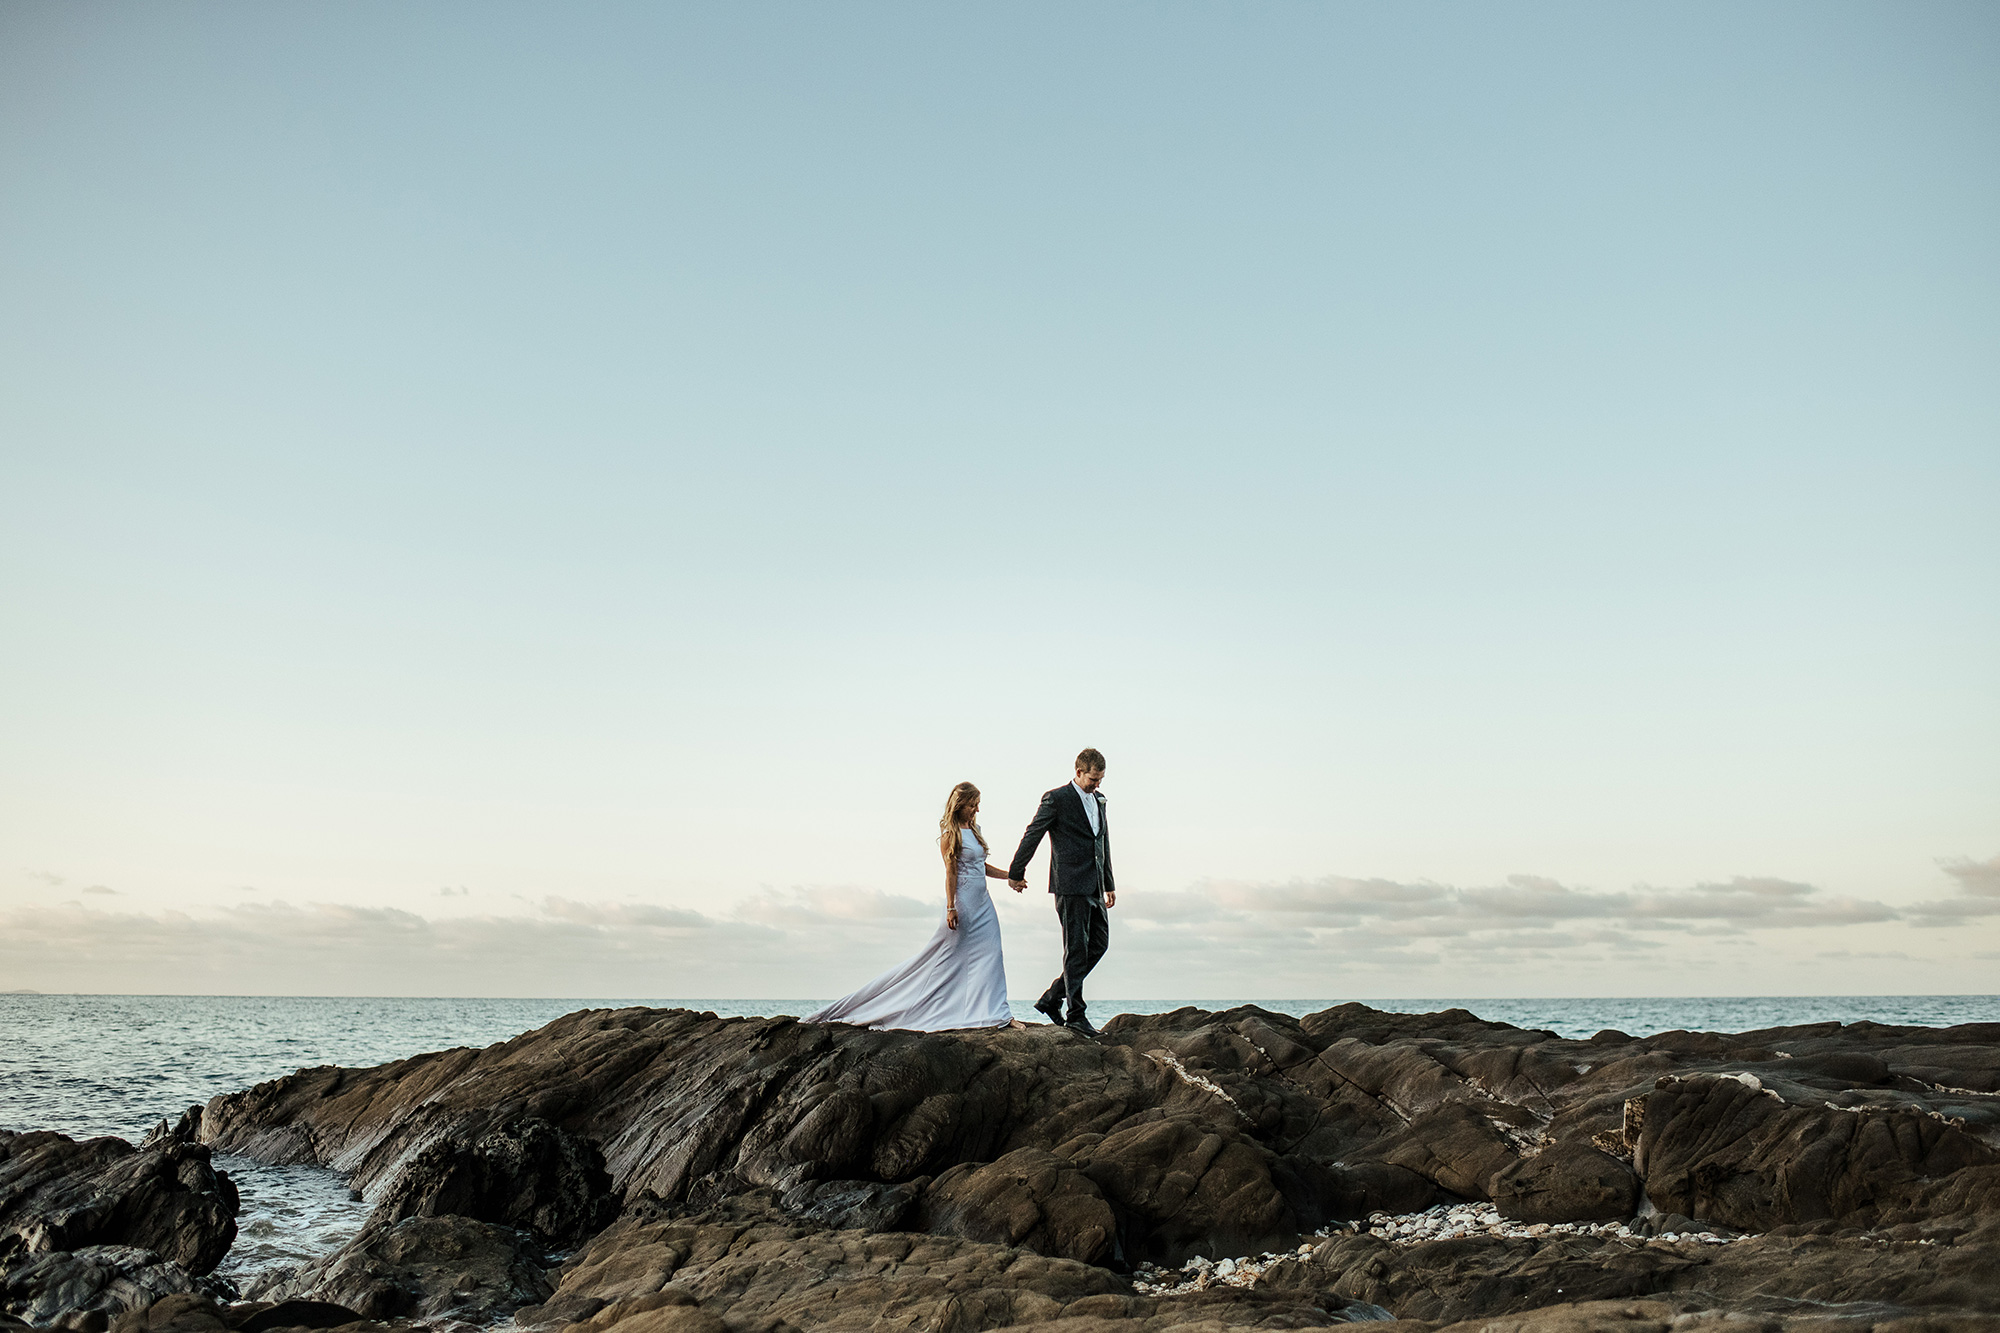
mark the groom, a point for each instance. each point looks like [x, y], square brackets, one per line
[1080, 878]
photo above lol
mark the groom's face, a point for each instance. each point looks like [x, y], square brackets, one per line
[1088, 780]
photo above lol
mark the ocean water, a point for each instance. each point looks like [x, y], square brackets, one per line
[88, 1065]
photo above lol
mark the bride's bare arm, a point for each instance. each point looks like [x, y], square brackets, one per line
[994, 872]
[950, 886]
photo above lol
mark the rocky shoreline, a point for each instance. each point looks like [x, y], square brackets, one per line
[668, 1170]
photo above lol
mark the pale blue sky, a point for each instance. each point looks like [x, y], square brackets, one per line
[627, 457]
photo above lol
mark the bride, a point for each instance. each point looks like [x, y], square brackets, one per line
[957, 980]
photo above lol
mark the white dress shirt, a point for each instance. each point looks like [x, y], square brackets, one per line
[1089, 806]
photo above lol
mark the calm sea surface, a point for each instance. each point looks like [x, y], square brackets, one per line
[117, 1064]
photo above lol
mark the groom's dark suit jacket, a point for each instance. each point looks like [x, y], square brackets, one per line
[1080, 862]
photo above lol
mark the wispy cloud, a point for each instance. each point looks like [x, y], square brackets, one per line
[1978, 894]
[1371, 936]
[796, 943]
[625, 915]
[792, 908]
[1978, 877]
[561, 948]
[1327, 937]
[1521, 902]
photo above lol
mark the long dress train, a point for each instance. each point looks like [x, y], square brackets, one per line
[958, 980]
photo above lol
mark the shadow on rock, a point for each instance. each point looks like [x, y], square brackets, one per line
[525, 1173]
[425, 1267]
[60, 1194]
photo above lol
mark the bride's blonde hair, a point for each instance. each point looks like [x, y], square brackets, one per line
[950, 838]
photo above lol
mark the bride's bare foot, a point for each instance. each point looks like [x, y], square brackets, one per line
[1017, 1023]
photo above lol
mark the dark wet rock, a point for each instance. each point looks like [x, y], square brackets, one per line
[1360, 1188]
[1456, 1279]
[86, 1288]
[525, 1173]
[1939, 1269]
[1195, 1133]
[290, 1314]
[1030, 1198]
[1726, 1149]
[1571, 1182]
[1843, 1068]
[198, 1314]
[184, 1313]
[678, 1099]
[257, 1287]
[1460, 1145]
[855, 1205]
[748, 1270]
[57, 1193]
[762, 1271]
[424, 1267]
[1180, 1188]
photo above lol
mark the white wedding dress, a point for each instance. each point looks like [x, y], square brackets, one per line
[958, 980]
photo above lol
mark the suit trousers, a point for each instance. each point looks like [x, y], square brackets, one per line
[1086, 929]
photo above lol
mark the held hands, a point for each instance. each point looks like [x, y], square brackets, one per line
[1017, 885]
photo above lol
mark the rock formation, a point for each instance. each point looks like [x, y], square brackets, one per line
[91, 1229]
[1197, 1133]
[59, 1194]
[199, 1314]
[86, 1288]
[771, 1175]
[423, 1267]
[526, 1173]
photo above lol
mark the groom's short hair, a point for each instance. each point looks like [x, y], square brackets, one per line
[1089, 761]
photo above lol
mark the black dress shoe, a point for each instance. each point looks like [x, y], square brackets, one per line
[1051, 1008]
[1081, 1024]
